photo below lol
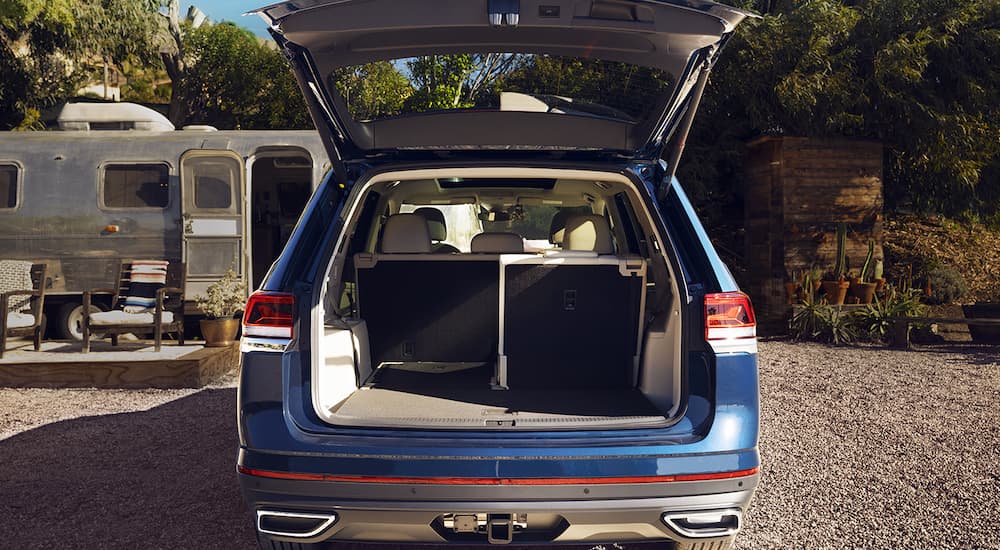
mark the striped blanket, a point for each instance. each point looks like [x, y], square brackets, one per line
[147, 277]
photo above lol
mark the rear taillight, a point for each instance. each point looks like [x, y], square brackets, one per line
[728, 316]
[269, 314]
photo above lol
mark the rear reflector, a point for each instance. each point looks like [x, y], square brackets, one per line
[269, 315]
[497, 481]
[729, 315]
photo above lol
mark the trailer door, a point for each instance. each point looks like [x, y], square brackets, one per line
[212, 183]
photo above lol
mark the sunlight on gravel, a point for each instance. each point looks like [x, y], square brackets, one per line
[876, 448]
[862, 448]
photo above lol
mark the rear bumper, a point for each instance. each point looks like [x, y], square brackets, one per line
[424, 513]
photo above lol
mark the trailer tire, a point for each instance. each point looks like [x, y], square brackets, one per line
[70, 320]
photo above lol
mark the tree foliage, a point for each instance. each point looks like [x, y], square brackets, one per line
[33, 34]
[918, 75]
[234, 80]
[374, 90]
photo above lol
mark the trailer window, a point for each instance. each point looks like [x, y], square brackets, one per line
[136, 186]
[8, 186]
[212, 182]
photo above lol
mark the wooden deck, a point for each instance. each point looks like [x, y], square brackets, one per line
[132, 365]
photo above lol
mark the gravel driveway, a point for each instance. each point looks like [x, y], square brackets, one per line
[862, 448]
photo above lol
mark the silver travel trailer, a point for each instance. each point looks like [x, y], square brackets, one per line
[82, 201]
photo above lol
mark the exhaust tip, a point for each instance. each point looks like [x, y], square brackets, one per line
[293, 524]
[705, 523]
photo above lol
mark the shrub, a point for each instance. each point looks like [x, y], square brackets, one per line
[822, 322]
[224, 298]
[947, 285]
[875, 321]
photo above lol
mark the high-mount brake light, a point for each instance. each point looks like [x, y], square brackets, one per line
[269, 315]
[729, 316]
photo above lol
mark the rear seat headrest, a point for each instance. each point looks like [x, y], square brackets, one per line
[588, 232]
[435, 222]
[406, 234]
[497, 243]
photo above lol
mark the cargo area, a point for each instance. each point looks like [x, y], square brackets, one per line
[573, 328]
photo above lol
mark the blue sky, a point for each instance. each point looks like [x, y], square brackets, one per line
[233, 10]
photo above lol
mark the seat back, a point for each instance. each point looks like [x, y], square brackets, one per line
[497, 243]
[570, 321]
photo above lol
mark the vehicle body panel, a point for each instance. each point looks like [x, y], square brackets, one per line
[682, 39]
[395, 484]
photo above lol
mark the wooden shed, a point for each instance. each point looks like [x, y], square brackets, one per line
[798, 190]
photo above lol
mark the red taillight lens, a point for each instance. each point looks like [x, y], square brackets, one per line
[269, 314]
[729, 315]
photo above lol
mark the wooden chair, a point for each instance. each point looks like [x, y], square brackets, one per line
[165, 317]
[14, 321]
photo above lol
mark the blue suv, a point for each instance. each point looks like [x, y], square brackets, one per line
[499, 319]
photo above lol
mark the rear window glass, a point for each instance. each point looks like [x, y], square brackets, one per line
[533, 222]
[136, 186]
[8, 186]
[502, 81]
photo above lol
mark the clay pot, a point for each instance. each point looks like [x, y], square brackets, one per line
[879, 284]
[864, 292]
[791, 292]
[836, 291]
[219, 332]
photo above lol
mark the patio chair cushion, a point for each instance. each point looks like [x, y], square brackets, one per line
[147, 277]
[16, 275]
[118, 317]
[20, 320]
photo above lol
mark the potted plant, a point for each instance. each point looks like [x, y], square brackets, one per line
[793, 285]
[834, 284]
[878, 275]
[863, 288]
[223, 300]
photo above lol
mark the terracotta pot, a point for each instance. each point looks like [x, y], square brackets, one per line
[879, 284]
[836, 291]
[219, 332]
[864, 292]
[791, 292]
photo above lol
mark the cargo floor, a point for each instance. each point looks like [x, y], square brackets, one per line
[461, 398]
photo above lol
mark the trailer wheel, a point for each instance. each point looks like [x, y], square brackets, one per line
[70, 320]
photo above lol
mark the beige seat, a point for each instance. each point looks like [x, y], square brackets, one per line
[406, 234]
[588, 233]
[557, 227]
[497, 243]
[437, 228]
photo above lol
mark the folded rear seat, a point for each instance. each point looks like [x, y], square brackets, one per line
[425, 307]
[572, 318]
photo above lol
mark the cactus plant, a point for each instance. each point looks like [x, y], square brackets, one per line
[866, 274]
[878, 271]
[841, 266]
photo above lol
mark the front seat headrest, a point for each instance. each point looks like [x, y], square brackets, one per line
[435, 222]
[557, 228]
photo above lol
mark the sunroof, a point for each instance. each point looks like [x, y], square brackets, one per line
[500, 183]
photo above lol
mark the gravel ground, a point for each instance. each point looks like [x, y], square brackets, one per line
[862, 448]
